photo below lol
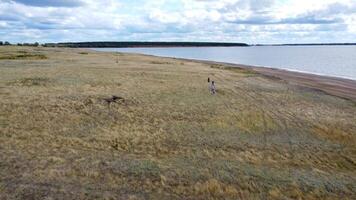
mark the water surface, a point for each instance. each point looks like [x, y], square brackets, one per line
[337, 61]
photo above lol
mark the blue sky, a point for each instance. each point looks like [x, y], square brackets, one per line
[250, 21]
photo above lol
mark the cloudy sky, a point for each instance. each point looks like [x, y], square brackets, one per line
[250, 21]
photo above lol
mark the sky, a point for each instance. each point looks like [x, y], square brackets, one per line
[249, 21]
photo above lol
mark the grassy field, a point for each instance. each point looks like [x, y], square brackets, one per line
[258, 138]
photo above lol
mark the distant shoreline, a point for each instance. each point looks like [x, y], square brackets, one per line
[109, 44]
[143, 44]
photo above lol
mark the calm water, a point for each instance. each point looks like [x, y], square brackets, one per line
[339, 61]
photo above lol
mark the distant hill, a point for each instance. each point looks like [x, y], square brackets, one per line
[142, 44]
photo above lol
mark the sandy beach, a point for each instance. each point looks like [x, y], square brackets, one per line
[266, 134]
[341, 87]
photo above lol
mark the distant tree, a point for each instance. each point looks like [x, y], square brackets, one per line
[49, 45]
[1, 43]
[36, 44]
[19, 44]
[7, 43]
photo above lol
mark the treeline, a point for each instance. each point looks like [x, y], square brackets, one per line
[141, 44]
[36, 44]
[6, 43]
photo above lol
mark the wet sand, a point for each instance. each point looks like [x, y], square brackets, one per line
[345, 88]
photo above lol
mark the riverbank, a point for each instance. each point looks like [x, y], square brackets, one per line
[260, 137]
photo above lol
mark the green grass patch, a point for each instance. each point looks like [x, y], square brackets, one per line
[256, 121]
[25, 56]
[3, 123]
[144, 168]
[353, 103]
[243, 71]
[159, 63]
[35, 81]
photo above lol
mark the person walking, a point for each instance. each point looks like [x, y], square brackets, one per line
[212, 87]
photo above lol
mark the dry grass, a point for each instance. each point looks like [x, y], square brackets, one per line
[258, 138]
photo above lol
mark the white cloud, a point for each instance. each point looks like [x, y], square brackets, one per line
[252, 21]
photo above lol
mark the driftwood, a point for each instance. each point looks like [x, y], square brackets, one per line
[113, 99]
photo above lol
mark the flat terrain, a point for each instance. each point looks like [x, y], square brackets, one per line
[260, 137]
